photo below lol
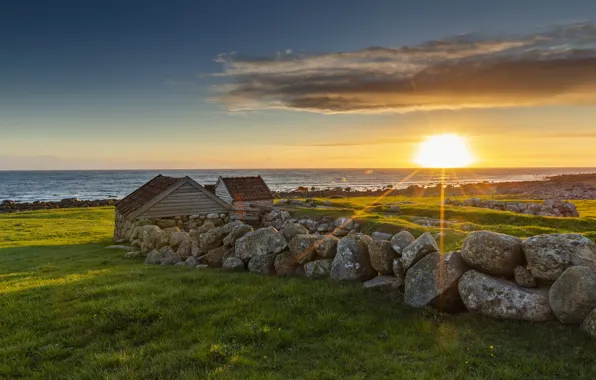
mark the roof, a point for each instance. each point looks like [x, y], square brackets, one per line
[145, 193]
[247, 188]
[210, 188]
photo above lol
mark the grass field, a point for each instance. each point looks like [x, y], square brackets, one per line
[71, 309]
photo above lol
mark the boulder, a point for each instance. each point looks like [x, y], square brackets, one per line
[277, 243]
[381, 256]
[303, 247]
[236, 233]
[589, 324]
[132, 254]
[550, 255]
[254, 243]
[212, 238]
[318, 268]
[381, 236]
[286, 265]
[502, 299]
[433, 281]
[191, 262]
[169, 256]
[573, 296]
[492, 253]
[292, 229]
[383, 283]
[523, 277]
[352, 262]
[344, 223]
[184, 250]
[202, 266]
[233, 264]
[419, 248]
[166, 223]
[401, 240]
[178, 238]
[149, 235]
[399, 272]
[205, 227]
[262, 264]
[327, 246]
[195, 250]
[213, 257]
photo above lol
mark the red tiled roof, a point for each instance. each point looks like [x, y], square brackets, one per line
[144, 194]
[247, 188]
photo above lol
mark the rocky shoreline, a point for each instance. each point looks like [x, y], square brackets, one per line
[9, 206]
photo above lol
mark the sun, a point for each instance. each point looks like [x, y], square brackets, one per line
[444, 151]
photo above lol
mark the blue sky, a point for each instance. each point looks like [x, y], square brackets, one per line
[97, 84]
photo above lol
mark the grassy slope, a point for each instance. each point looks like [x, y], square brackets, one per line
[69, 308]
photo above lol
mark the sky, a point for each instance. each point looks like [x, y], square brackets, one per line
[287, 84]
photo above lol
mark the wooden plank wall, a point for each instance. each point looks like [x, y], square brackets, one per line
[186, 200]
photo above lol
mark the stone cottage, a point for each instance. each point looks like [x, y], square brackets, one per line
[169, 202]
[248, 195]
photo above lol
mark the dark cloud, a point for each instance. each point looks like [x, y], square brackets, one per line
[557, 66]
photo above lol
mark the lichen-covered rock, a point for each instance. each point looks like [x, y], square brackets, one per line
[262, 264]
[318, 268]
[399, 272]
[381, 256]
[352, 262]
[149, 235]
[233, 264]
[550, 255]
[492, 253]
[573, 296]
[184, 250]
[419, 248]
[286, 265]
[207, 226]
[401, 240]
[277, 243]
[380, 236]
[195, 250]
[433, 281]
[344, 223]
[213, 257]
[290, 230]
[303, 247]
[327, 246]
[191, 262]
[589, 324]
[236, 233]
[177, 238]
[254, 243]
[212, 238]
[386, 283]
[523, 277]
[499, 298]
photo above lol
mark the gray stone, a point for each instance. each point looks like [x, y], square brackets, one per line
[205, 227]
[195, 250]
[492, 253]
[213, 215]
[277, 243]
[318, 268]
[212, 238]
[202, 266]
[312, 225]
[589, 324]
[550, 255]
[499, 298]
[433, 280]
[381, 256]
[166, 223]
[573, 296]
[262, 264]
[401, 240]
[179, 264]
[523, 277]
[132, 254]
[419, 248]
[149, 235]
[191, 262]
[236, 233]
[383, 283]
[184, 250]
[233, 264]
[286, 265]
[254, 243]
[213, 257]
[381, 236]
[292, 229]
[125, 247]
[177, 238]
[352, 262]
[303, 247]
[344, 223]
[327, 246]
[399, 272]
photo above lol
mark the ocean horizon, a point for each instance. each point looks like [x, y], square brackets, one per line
[52, 185]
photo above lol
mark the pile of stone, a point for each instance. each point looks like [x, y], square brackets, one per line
[541, 278]
[7, 206]
[548, 208]
[323, 225]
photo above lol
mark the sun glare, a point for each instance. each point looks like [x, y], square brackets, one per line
[444, 151]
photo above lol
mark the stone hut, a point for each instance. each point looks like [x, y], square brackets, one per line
[248, 195]
[168, 202]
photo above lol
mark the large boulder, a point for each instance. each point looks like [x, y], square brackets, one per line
[214, 257]
[318, 268]
[195, 250]
[381, 236]
[286, 265]
[401, 240]
[433, 281]
[419, 248]
[382, 256]
[212, 238]
[499, 298]
[277, 243]
[184, 249]
[303, 247]
[169, 255]
[236, 233]
[207, 226]
[399, 272]
[262, 264]
[148, 236]
[573, 296]
[492, 252]
[352, 262]
[154, 257]
[254, 243]
[177, 238]
[233, 264]
[292, 229]
[550, 255]
[327, 246]
[344, 223]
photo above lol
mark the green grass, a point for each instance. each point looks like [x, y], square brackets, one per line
[71, 309]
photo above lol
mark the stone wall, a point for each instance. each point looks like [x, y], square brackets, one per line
[548, 208]
[538, 279]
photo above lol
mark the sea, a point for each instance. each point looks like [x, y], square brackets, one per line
[27, 186]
